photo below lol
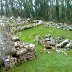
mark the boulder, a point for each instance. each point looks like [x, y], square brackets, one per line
[9, 61]
[21, 45]
[29, 20]
[18, 20]
[17, 44]
[40, 22]
[14, 38]
[48, 36]
[21, 51]
[69, 45]
[51, 43]
[37, 38]
[47, 39]
[62, 44]
[27, 56]
[59, 39]
[31, 47]
[10, 51]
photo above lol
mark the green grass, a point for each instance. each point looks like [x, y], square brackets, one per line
[45, 62]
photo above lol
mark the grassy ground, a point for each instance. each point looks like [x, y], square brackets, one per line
[45, 62]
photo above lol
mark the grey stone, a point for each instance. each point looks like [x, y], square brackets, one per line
[69, 45]
[31, 47]
[27, 56]
[60, 26]
[18, 20]
[21, 51]
[40, 22]
[62, 44]
[48, 36]
[47, 39]
[17, 44]
[14, 38]
[9, 61]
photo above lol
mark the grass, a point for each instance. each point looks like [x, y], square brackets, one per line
[45, 62]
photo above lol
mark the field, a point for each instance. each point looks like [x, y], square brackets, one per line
[45, 62]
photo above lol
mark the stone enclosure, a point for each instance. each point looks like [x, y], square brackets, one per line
[12, 50]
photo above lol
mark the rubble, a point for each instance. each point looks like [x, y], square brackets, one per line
[13, 50]
[27, 51]
[58, 44]
[21, 28]
[9, 61]
[59, 26]
[22, 52]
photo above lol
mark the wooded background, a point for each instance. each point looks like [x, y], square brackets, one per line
[50, 10]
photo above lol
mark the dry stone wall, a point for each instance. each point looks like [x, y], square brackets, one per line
[58, 44]
[12, 50]
[59, 26]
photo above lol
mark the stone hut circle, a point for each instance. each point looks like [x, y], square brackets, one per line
[13, 50]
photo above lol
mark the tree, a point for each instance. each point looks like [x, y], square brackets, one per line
[7, 9]
[57, 10]
[2, 12]
[50, 10]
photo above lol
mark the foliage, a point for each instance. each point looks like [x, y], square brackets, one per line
[50, 10]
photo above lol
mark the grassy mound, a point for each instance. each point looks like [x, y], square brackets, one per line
[45, 62]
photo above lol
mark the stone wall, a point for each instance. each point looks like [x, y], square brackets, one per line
[59, 26]
[12, 50]
[58, 44]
